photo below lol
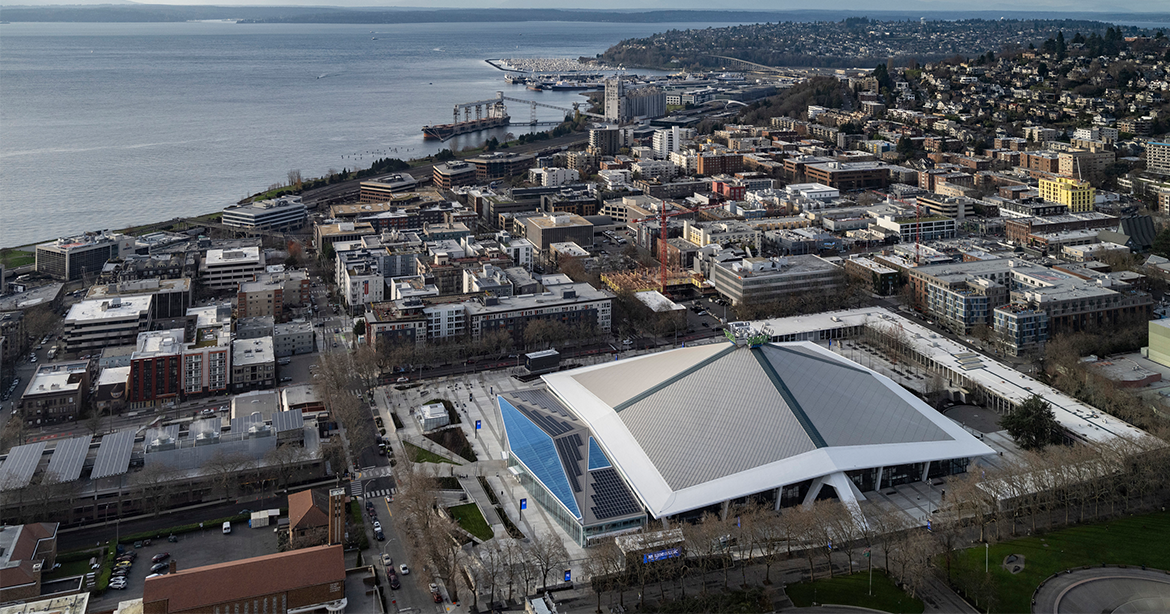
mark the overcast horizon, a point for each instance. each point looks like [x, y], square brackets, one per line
[933, 6]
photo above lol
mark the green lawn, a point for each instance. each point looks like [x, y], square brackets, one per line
[67, 570]
[1126, 541]
[419, 455]
[854, 590]
[13, 258]
[469, 517]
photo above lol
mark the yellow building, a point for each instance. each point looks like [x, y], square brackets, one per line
[1077, 195]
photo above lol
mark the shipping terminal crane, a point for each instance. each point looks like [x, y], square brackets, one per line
[495, 108]
[661, 217]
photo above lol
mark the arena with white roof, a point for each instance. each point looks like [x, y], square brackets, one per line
[678, 433]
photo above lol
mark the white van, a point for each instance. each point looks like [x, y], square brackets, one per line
[227, 527]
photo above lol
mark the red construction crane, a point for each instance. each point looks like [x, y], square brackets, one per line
[661, 217]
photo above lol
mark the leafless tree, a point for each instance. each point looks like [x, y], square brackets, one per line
[604, 562]
[157, 483]
[549, 553]
[225, 469]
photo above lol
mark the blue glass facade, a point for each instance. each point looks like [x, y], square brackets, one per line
[597, 458]
[535, 449]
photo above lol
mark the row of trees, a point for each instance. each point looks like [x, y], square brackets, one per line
[500, 566]
[1058, 486]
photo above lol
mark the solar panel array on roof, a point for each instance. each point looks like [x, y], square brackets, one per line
[17, 471]
[569, 449]
[113, 457]
[241, 424]
[67, 460]
[610, 496]
[548, 424]
[284, 421]
[539, 397]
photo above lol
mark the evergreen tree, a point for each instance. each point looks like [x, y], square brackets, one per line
[1032, 424]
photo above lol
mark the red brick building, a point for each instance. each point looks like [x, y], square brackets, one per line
[304, 580]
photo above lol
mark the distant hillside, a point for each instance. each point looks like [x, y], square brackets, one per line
[307, 14]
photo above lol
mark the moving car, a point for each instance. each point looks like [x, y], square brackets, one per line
[403, 569]
[160, 557]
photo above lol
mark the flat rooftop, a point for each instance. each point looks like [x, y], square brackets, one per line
[116, 308]
[227, 257]
[252, 351]
[57, 377]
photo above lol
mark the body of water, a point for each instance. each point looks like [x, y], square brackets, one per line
[112, 125]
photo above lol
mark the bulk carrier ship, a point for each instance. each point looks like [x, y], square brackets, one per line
[497, 117]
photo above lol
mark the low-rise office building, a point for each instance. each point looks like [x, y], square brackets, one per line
[226, 269]
[284, 213]
[759, 280]
[75, 258]
[92, 325]
[545, 230]
[172, 297]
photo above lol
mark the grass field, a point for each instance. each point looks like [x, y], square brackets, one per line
[1126, 541]
[13, 258]
[420, 455]
[471, 519]
[854, 590]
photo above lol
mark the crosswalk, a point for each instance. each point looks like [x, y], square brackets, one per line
[355, 488]
[373, 472]
[383, 492]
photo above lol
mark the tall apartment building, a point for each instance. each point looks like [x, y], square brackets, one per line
[610, 140]
[1078, 196]
[1157, 158]
[74, 258]
[666, 142]
[155, 368]
[1086, 165]
[207, 357]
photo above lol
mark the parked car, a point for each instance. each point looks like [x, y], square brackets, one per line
[394, 583]
[377, 526]
[387, 562]
[160, 557]
[379, 535]
[158, 568]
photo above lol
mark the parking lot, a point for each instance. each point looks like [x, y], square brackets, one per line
[193, 550]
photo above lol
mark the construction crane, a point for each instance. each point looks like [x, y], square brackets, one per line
[661, 217]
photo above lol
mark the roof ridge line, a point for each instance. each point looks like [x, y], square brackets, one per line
[789, 399]
[816, 357]
[670, 380]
